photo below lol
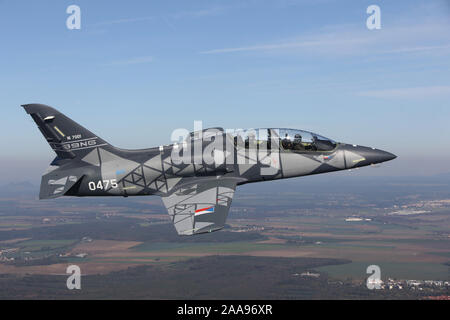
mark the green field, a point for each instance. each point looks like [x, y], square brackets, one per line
[38, 245]
[200, 247]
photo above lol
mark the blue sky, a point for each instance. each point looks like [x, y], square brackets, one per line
[139, 69]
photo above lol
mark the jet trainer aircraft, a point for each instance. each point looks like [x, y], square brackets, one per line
[195, 177]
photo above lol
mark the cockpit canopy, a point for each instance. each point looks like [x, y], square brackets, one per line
[291, 139]
[287, 139]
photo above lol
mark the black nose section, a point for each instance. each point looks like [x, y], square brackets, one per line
[359, 156]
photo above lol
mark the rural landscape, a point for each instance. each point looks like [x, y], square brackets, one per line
[307, 238]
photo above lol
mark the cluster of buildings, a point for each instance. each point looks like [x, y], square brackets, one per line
[420, 207]
[411, 284]
[307, 274]
[356, 219]
[310, 274]
[55, 220]
[69, 254]
[4, 254]
[419, 284]
[248, 228]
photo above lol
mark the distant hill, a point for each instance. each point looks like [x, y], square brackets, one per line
[342, 182]
[25, 188]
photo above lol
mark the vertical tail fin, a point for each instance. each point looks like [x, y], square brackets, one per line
[67, 138]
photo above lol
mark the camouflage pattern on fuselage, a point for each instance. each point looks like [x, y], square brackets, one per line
[197, 176]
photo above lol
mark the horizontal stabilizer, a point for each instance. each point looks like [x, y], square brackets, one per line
[58, 182]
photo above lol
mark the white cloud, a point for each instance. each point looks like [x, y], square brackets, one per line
[287, 45]
[418, 49]
[354, 40]
[410, 93]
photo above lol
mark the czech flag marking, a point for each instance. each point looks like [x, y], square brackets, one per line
[204, 211]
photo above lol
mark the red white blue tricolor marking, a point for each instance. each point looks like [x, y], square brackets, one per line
[204, 211]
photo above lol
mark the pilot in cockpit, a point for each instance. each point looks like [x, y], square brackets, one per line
[286, 142]
[298, 142]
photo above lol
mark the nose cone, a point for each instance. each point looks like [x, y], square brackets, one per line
[359, 156]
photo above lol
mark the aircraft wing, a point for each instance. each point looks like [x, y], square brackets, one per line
[201, 206]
